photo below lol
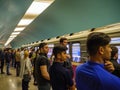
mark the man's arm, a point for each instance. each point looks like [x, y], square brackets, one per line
[44, 72]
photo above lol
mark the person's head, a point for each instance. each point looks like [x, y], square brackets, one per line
[114, 53]
[63, 41]
[59, 52]
[98, 44]
[44, 48]
[26, 54]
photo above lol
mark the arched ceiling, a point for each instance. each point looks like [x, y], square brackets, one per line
[62, 17]
[11, 11]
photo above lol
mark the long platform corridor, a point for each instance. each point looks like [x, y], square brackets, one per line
[11, 82]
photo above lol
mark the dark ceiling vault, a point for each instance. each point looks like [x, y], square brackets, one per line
[62, 17]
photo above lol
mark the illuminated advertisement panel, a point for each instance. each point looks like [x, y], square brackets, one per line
[76, 52]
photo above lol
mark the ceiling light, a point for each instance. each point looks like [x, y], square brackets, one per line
[38, 6]
[15, 33]
[25, 22]
[19, 29]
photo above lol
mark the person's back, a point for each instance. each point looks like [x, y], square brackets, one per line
[60, 77]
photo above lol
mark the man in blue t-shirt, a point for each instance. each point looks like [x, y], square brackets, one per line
[92, 75]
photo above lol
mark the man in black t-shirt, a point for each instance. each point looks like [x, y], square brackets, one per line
[41, 68]
[60, 77]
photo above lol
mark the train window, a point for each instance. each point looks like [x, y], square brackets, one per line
[118, 54]
[50, 50]
[115, 40]
[76, 52]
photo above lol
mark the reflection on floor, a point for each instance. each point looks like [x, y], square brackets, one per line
[12, 82]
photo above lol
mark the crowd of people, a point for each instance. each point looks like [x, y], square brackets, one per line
[100, 72]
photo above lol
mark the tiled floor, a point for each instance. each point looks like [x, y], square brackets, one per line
[12, 82]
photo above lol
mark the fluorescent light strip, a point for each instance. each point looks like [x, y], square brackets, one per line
[8, 41]
[25, 22]
[19, 28]
[36, 8]
[15, 33]
[13, 36]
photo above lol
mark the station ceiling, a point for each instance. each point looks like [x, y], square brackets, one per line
[62, 17]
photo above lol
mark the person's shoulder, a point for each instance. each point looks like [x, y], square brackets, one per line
[84, 68]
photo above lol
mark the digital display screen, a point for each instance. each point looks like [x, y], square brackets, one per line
[76, 52]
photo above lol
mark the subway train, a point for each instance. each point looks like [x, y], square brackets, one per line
[77, 41]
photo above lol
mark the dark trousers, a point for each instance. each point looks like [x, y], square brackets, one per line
[25, 84]
[17, 68]
[44, 87]
[8, 67]
[2, 66]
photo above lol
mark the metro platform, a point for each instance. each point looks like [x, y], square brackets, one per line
[11, 82]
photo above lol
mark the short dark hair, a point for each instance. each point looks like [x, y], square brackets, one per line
[58, 49]
[62, 39]
[41, 45]
[95, 40]
[114, 51]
